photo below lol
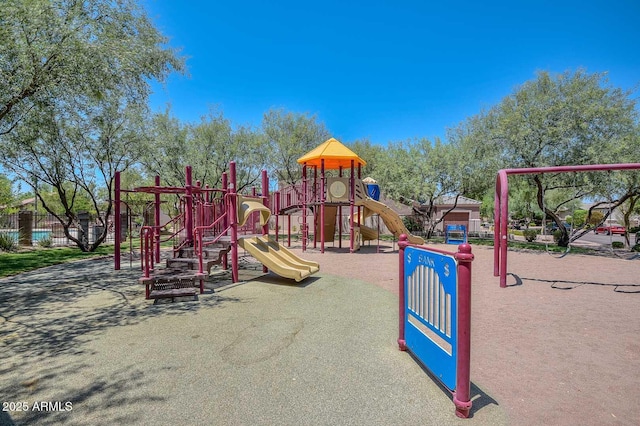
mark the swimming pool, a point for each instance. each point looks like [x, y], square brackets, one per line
[36, 235]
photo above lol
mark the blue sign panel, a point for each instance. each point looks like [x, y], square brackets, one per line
[455, 234]
[431, 300]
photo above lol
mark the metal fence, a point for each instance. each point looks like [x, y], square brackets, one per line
[29, 229]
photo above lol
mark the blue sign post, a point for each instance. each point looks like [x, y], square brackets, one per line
[435, 314]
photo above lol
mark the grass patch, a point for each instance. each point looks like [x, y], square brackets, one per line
[16, 263]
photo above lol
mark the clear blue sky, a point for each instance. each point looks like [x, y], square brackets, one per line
[384, 70]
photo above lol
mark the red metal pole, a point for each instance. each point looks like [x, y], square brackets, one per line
[225, 212]
[199, 206]
[225, 186]
[197, 235]
[265, 201]
[117, 224]
[142, 252]
[251, 220]
[360, 207]
[378, 230]
[501, 227]
[304, 230]
[578, 168]
[198, 251]
[276, 207]
[265, 198]
[288, 230]
[320, 226]
[340, 218]
[351, 207]
[148, 252]
[402, 244]
[496, 228]
[156, 219]
[315, 210]
[462, 394]
[188, 214]
[504, 233]
[233, 221]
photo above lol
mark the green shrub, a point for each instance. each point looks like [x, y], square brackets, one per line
[636, 247]
[557, 234]
[8, 242]
[45, 242]
[530, 235]
[617, 244]
[411, 224]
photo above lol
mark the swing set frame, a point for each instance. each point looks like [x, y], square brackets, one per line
[501, 205]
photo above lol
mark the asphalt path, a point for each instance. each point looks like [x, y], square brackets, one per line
[602, 239]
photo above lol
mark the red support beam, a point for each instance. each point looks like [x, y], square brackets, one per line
[117, 224]
[304, 231]
[265, 202]
[232, 206]
[188, 211]
[320, 226]
[156, 222]
[462, 394]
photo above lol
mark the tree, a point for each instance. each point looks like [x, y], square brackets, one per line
[564, 119]
[522, 200]
[622, 189]
[623, 194]
[221, 144]
[75, 157]
[370, 153]
[208, 147]
[422, 174]
[290, 136]
[74, 51]
[166, 153]
[74, 83]
[6, 193]
[479, 155]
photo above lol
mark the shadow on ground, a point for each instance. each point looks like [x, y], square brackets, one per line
[122, 391]
[479, 398]
[54, 311]
[51, 310]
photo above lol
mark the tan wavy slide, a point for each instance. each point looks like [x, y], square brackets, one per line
[390, 218]
[278, 259]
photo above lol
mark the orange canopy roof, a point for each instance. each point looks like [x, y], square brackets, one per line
[334, 154]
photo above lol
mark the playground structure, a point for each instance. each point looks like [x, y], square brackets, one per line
[325, 197]
[203, 234]
[501, 205]
[207, 227]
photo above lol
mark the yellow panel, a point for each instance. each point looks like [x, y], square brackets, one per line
[248, 205]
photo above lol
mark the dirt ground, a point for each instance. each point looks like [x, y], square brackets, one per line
[560, 345]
